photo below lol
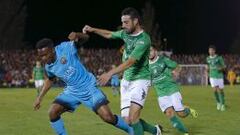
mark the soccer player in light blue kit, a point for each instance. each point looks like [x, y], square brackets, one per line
[63, 62]
[115, 83]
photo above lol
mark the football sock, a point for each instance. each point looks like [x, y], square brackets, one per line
[148, 127]
[178, 124]
[58, 126]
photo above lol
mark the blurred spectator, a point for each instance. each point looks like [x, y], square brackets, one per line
[16, 65]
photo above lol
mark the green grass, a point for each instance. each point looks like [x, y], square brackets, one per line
[18, 118]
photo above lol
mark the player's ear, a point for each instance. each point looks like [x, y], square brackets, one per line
[135, 21]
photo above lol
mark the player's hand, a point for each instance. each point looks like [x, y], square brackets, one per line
[104, 78]
[73, 36]
[87, 28]
[37, 104]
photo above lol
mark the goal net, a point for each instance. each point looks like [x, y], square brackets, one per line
[194, 74]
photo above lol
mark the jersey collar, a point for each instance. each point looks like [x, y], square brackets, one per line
[151, 62]
[140, 32]
[213, 56]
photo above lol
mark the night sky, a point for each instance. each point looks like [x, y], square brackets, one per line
[189, 25]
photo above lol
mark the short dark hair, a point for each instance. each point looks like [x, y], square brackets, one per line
[212, 46]
[133, 13]
[154, 46]
[45, 42]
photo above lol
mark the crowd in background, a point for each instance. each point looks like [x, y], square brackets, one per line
[16, 65]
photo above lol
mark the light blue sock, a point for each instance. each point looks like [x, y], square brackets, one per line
[58, 126]
[121, 124]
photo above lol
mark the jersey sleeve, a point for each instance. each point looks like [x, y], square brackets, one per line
[67, 46]
[170, 63]
[140, 49]
[117, 34]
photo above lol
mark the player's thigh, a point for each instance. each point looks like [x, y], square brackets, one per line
[176, 99]
[125, 98]
[139, 91]
[56, 110]
[165, 103]
[69, 101]
[106, 114]
[95, 100]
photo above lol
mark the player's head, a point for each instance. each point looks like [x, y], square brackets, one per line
[45, 50]
[212, 50]
[130, 19]
[153, 52]
[38, 63]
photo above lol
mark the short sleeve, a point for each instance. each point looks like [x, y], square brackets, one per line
[140, 49]
[67, 46]
[170, 63]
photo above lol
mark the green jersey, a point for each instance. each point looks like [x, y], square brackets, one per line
[215, 65]
[38, 73]
[137, 47]
[161, 74]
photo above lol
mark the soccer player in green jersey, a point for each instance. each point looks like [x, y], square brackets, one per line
[215, 68]
[38, 76]
[169, 96]
[136, 77]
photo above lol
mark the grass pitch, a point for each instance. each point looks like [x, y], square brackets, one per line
[18, 118]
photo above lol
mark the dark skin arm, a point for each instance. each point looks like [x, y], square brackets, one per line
[78, 37]
[46, 87]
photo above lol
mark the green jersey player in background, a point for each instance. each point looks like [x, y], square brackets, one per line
[215, 69]
[38, 76]
[136, 76]
[169, 96]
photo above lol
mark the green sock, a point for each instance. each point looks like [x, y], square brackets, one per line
[221, 95]
[178, 124]
[217, 96]
[148, 127]
[137, 128]
[186, 111]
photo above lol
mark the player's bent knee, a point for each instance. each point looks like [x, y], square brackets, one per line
[108, 119]
[170, 112]
[55, 111]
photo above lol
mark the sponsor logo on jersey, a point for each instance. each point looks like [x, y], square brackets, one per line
[63, 60]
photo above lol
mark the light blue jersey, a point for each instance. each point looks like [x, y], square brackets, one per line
[115, 80]
[80, 85]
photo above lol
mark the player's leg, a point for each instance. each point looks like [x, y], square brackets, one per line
[214, 85]
[182, 111]
[98, 103]
[167, 106]
[106, 115]
[57, 123]
[37, 86]
[139, 90]
[41, 82]
[221, 94]
[64, 102]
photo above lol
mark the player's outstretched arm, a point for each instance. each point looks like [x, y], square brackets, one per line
[46, 87]
[101, 32]
[104, 78]
[78, 37]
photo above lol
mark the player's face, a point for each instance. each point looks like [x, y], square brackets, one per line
[128, 24]
[153, 53]
[211, 51]
[38, 64]
[46, 54]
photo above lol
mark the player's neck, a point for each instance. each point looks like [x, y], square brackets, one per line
[137, 31]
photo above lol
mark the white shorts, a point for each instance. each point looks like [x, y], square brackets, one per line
[39, 83]
[217, 82]
[174, 100]
[133, 92]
